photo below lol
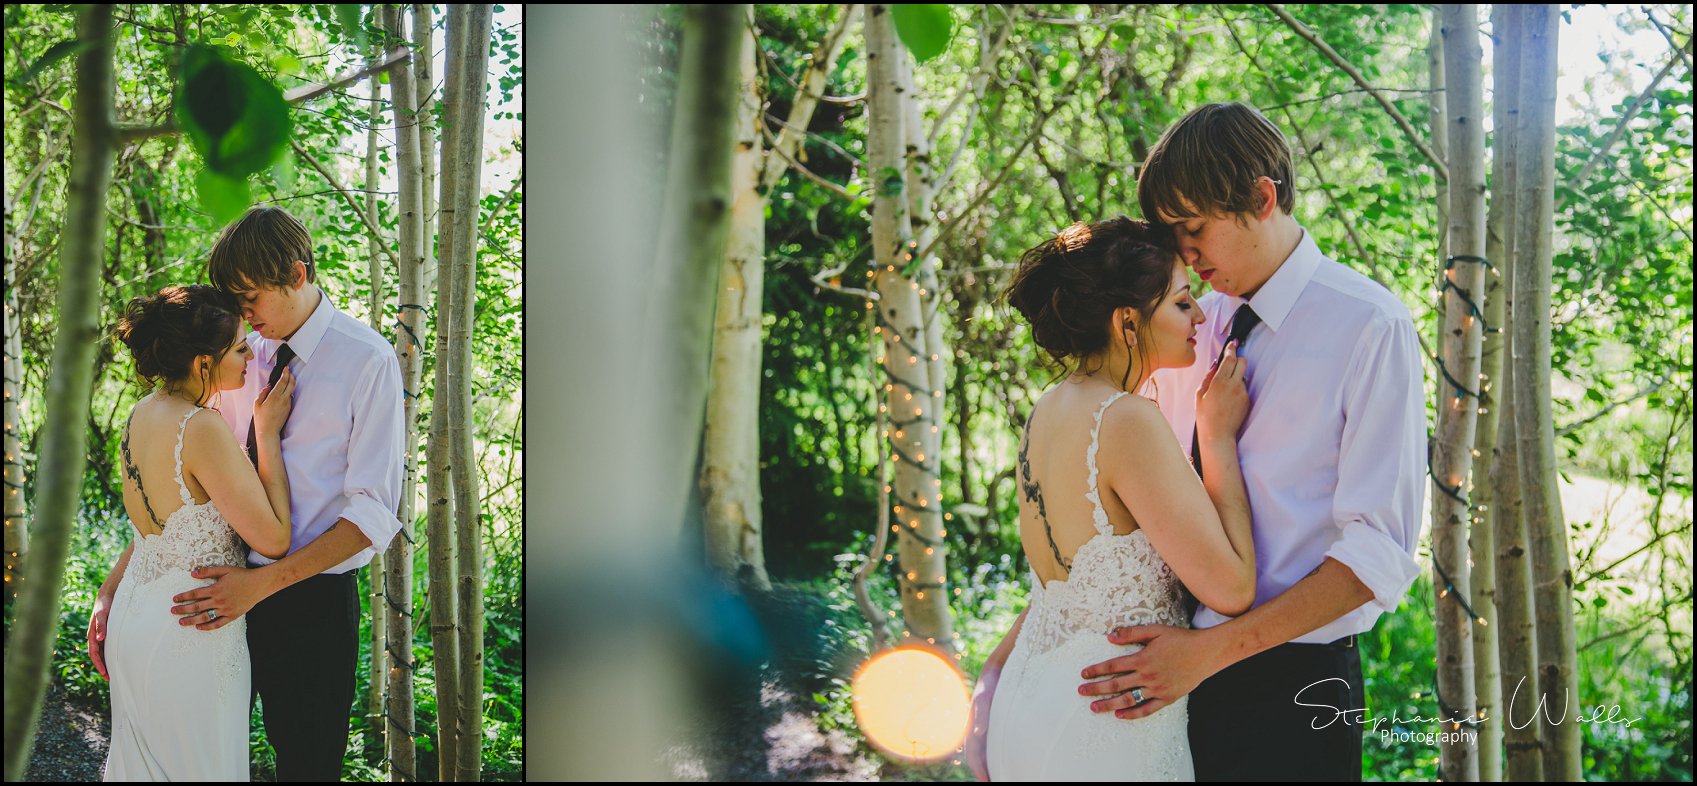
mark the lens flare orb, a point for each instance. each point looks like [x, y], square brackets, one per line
[912, 704]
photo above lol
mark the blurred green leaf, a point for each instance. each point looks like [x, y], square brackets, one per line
[235, 118]
[924, 27]
[224, 198]
[53, 55]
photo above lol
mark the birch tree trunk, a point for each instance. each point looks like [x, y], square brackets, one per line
[1552, 576]
[424, 83]
[465, 108]
[1487, 674]
[730, 478]
[1522, 738]
[1459, 347]
[17, 526]
[375, 574]
[444, 616]
[901, 323]
[695, 222]
[730, 461]
[409, 315]
[70, 380]
[921, 190]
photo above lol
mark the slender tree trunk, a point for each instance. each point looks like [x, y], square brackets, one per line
[424, 83]
[1487, 675]
[409, 315]
[901, 322]
[1522, 744]
[730, 462]
[467, 106]
[36, 626]
[17, 526]
[695, 222]
[374, 261]
[444, 616]
[1552, 577]
[1459, 347]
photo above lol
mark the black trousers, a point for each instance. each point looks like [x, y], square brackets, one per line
[304, 645]
[1292, 713]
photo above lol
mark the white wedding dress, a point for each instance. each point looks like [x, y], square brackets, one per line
[180, 695]
[1041, 728]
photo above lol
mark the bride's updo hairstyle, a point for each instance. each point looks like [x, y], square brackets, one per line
[167, 331]
[1069, 286]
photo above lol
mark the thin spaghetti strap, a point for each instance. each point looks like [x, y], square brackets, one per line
[1099, 515]
[183, 488]
[130, 469]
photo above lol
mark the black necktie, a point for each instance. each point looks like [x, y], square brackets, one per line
[284, 355]
[1243, 321]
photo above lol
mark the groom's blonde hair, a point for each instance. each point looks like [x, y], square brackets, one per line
[1208, 162]
[259, 251]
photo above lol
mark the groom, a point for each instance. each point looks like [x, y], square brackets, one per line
[343, 451]
[1333, 453]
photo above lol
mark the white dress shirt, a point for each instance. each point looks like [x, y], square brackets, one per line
[1334, 448]
[342, 444]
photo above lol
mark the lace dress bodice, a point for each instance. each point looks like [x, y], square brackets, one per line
[1116, 580]
[194, 536]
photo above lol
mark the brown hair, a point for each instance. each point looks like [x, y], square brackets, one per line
[1212, 158]
[1068, 286]
[259, 250]
[167, 331]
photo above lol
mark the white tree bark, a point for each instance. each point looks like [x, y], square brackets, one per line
[398, 559]
[424, 83]
[466, 108]
[907, 371]
[17, 526]
[1522, 744]
[378, 673]
[1552, 575]
[1459, 348]
[730, 477]
[695, 221]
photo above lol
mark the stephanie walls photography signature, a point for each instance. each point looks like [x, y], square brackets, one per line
[1602, 714]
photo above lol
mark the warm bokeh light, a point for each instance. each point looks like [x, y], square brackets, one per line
[912, 704]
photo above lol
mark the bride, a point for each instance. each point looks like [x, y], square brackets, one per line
[180, 695]
[1111, 514]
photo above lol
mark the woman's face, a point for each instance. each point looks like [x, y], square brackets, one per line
[1171, 330]
[231, 370]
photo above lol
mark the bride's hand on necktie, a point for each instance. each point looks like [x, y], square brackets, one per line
[271, 411]
[1222, 402]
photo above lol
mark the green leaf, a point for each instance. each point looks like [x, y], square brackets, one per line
[283, 173]
[348, 14]
[235, 118]
[224, 198]
[53, 55]
[924, 27]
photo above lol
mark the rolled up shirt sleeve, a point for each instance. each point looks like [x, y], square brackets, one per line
[371, 492]
[1382, 462]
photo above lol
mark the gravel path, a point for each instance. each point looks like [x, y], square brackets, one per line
[70, 741]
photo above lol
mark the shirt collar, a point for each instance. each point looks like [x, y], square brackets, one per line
[311, 333]
[1278, 296]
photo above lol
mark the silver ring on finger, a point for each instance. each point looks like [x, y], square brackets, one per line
[1137, 695]
[211, 615]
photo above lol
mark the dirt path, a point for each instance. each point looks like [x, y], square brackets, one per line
[70, 741]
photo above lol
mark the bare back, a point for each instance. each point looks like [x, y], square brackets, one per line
[1054, 479]
[151, 442]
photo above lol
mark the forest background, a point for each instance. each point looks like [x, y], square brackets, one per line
[337, 165]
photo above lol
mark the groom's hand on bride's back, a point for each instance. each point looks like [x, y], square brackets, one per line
[1171, 664]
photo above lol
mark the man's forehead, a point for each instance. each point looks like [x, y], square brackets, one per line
[1189, 208]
